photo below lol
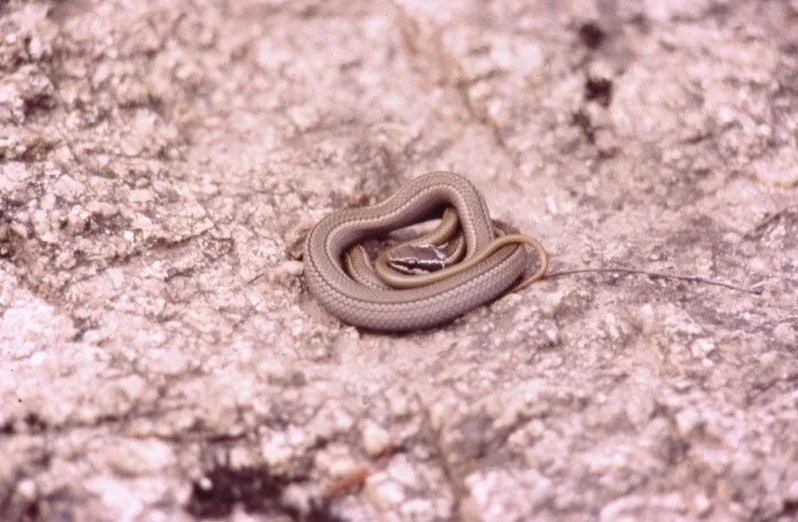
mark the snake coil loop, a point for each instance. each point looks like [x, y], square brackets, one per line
[340, 277]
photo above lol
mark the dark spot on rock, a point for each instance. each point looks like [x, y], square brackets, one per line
[40, 103]
[592, 35]
[35, 423]
[718, 11]
[641, 22]
[599, 90]
[32, 511]
[7, 428]
[790, 508]
[582, 120]
[257, 489]
[789, 48]
[298, 379]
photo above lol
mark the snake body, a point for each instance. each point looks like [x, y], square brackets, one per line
[482, 276]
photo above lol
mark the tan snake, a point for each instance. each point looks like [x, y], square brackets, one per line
[489, 268]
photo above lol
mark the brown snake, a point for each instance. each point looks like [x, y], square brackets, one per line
[490, 266]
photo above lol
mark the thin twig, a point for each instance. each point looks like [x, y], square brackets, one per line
[768, 220]
[755, 289]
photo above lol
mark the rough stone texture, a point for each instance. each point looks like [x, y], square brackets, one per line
[159, 359]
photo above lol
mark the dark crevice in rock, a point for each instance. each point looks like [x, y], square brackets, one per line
[258, 489]
[592, 35]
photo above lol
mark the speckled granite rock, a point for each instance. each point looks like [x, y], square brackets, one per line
[160, 360]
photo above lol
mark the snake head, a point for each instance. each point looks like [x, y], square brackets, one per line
[417, 259]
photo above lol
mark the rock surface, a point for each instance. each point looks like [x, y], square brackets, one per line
[160, 360]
